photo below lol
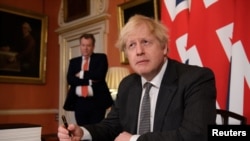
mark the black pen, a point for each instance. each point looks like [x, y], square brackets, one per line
[66, 124]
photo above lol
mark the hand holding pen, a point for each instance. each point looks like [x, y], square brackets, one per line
[75, 132]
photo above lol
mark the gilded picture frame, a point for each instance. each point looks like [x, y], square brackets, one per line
[126, 10]
[23, 40]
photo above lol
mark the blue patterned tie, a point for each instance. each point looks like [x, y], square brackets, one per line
[144, 125]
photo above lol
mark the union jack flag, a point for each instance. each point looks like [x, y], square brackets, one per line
[214, 34]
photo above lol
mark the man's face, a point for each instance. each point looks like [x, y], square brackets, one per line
[86, 47]
[144, 52]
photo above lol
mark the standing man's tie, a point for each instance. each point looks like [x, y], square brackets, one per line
[85, 88]
[144, 125]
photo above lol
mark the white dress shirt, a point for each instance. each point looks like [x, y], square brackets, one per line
[79, 88]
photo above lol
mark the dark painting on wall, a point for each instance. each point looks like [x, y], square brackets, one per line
[23, 38]
[75, 9]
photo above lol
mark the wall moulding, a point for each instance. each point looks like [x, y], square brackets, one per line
[28, 111]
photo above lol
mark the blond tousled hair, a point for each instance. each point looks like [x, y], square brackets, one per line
[155, 27]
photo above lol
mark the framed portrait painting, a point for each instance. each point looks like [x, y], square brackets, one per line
[23, 39]
[126, 10]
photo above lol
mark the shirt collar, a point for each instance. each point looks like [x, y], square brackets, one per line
[156, 81]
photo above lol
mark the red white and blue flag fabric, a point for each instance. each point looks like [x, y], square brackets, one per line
[214, 34]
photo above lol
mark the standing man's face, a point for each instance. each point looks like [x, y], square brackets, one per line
[86, 47]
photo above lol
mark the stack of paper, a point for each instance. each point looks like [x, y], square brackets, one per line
[20, 132]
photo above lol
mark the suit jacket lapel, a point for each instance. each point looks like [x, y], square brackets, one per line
[166, 93]
[134, 103]
[92, 61]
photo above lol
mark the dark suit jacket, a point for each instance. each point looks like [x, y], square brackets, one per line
[186, 105]
[98, 67]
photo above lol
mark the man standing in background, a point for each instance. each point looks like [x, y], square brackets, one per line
[88, 95]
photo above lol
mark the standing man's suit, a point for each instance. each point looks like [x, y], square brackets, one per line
[101, 99]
